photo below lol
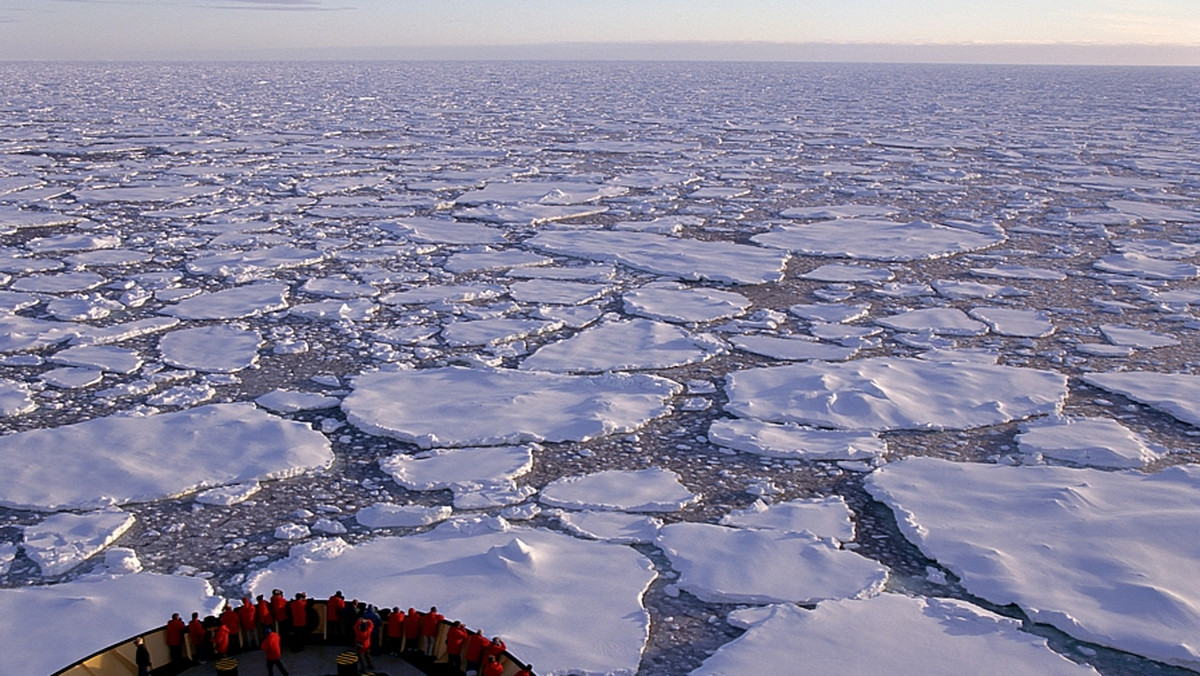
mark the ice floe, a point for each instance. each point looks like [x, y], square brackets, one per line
[824, 517]
[883, 393]
[456, 406]
[908, 637]
[1097, 554]
[788, 440]
[250, 300]
[1098, 442]
[218, 348]
[671, 302]
[646, 490]
[209, 446]
[625, 345]
[735, 565]
[874, 239]
[1177, 394]
[565, 604]
[62, 541]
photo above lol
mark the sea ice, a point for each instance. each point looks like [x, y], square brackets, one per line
[1015, 322]
[457, 406]
[61, 542]
[459, 469]
[837, 272]
[905, 636]
[387, 515]
[290, 401]
[556, 291]
[1096, 553]
[250, 300]
[218, 348]
[733, 565]
[883, 393]
[1140, 265]
[125, 462]
[493, 331]
[1177, 394]
[833, 313]
[942, 321]
[1135, 337]
[625, 345]
[873, 239]
[565, 604]
[789, 440]
[794, 348]
[444, 231]
[671, 302]
[688, 259]
[1097, 442]
[646, 490]
[824, 517]
[614, 527]
[102, 605]
[15, 398]
[100, 357]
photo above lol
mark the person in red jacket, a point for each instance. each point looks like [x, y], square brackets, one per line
[412, 630]
[197, 635]
[298, 612]
[494, 649]
[333, 615]
[456, 639]
[394, 633]
[263, 613]
[175, 631]
[476, 642]
[248, 620]
[492, 668]
[279, 608]
[273, 651]
[527, 671]
[430, 623]
[362, 644]
[231, 622]
[220, 641]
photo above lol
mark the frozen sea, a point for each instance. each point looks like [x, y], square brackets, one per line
[656, 369]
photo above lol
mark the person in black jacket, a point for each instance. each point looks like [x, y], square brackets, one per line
[142, 657]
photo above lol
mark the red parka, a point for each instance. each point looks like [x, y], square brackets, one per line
[230, 620]
[247, 615]
[494, 649]
[175, 629]
[271, 646]
[264, 614]
[475, 645]
[456, 637]
[279, 607]
[492, 668]
[333, 609]
[430, 622]
[298, 608]
[221, 640]
[362, 633]
[395, 625]
[196, 632]
[412, 624]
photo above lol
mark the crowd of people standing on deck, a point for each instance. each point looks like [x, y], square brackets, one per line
[267, 623]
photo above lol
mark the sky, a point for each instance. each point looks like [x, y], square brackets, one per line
[1100, 31]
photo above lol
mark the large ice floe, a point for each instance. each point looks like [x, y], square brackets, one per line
[130, 462]
[1177, 394]
[97, 611]
[875, 239]
[501, 579]
[1098, 554]
[889, 394]
[456, 406]
[787, 566]
[908, 637]
[625, 345]
[647, 490]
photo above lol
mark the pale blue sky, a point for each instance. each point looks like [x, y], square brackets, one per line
[166, 29]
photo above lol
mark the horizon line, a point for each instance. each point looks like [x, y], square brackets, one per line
[960, 53]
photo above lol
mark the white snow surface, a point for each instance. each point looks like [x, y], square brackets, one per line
[645, 490]
[132, 459]
[99, 604]
[625, 345]
[456, 406]
[793, 348]
[1177, 394]
[1096, 442]
[823, 517]
[733, 565]
[250, 300]
[387, 515]
[459, 469]
[291, 401]
[883, 393]
[789, 440]
[217, 348]
[615, 527]
[874, 239]
[884, 635]
[687, 259]
[1097, 554]
[565, 604]
[60, 542]
[676, 303]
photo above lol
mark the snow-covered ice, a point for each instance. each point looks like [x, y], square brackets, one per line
[458, 406]
[625, 345]
[789, 440]
[62, 541]
[647, 490]
[1097, 554]
[1097, 442]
